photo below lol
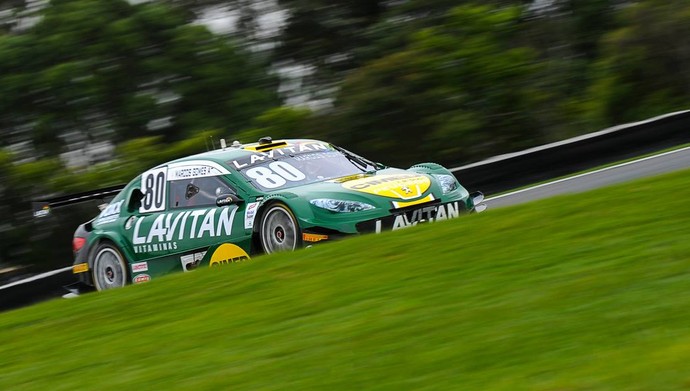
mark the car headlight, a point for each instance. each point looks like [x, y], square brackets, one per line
[448, 182]
[341, 206]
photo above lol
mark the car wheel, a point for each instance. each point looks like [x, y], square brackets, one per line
[109, 268]
[279, 230]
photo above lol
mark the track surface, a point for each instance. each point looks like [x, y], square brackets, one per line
[624, 172]
[15, 295]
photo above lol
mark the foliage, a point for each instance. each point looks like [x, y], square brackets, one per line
[455, 92]
[112, 70]
[325, 33]
[281, 122]
[644, 69]
[336, 37]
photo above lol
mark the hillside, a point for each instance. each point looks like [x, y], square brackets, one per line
[584, 292]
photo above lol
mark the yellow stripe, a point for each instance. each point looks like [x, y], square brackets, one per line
[80, 268]
[307, 237]
[398, 205]
[266, 147]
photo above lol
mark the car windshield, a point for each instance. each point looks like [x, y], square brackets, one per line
[272, 171]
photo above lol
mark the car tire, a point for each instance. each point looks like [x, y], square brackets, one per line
[109, 267]
[279, 229]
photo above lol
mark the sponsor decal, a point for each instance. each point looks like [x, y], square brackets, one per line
[402, 204]
[307, 237]
[428, 214]
[402, 186]
[225, 201]
[290, 150]
[349, 178]
[195, 169]
[43, 211]
[110, 213]
[140, 267]
[192, 172]
[168, 228]
[191, 261]
[80, 268]
[228, 253]
[138, 279]
[250, 215]
[130, 221]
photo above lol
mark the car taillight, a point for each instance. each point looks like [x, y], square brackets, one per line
[78, 243]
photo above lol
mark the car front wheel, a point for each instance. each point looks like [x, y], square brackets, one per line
[279, 230]
[109, 268]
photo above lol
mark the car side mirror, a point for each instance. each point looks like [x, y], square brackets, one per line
[228, 199]
[135, 198]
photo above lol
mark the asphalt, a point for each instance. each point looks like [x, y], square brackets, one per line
[624, 172]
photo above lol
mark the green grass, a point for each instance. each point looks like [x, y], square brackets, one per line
[584, 292]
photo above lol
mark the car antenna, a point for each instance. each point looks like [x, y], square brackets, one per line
[213, 145]
[206, 142]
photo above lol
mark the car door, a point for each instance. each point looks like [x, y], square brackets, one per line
[198, 223]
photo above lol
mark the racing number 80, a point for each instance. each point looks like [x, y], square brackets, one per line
[153, 187]
[154, 195]
[275, 175]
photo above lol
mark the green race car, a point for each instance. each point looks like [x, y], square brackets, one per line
[221, 206]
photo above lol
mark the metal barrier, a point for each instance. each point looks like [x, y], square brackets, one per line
[35, 289]
[510, 171]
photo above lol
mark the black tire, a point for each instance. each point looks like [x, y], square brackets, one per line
[279, 229]
[109, 267]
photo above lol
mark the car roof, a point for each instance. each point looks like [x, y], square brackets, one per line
[237, 150]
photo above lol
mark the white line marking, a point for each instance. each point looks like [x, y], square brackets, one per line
[612, 129]
[36, 277]
[587, 173]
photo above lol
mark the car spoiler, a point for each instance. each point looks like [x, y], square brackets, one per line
[42, 207]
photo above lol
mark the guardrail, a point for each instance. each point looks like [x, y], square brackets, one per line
[510, 171]
[35, 289]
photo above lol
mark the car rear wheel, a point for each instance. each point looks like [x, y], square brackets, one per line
[279, 230]
[109, 268]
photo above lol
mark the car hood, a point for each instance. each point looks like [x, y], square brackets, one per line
[383, 185]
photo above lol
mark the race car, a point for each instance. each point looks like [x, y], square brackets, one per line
[219, 207]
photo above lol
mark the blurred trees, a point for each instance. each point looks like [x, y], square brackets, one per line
[644, 68]
[94, 70]
[457, 91]
[399, 81]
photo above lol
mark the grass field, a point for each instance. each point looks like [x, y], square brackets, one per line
[583, 292]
